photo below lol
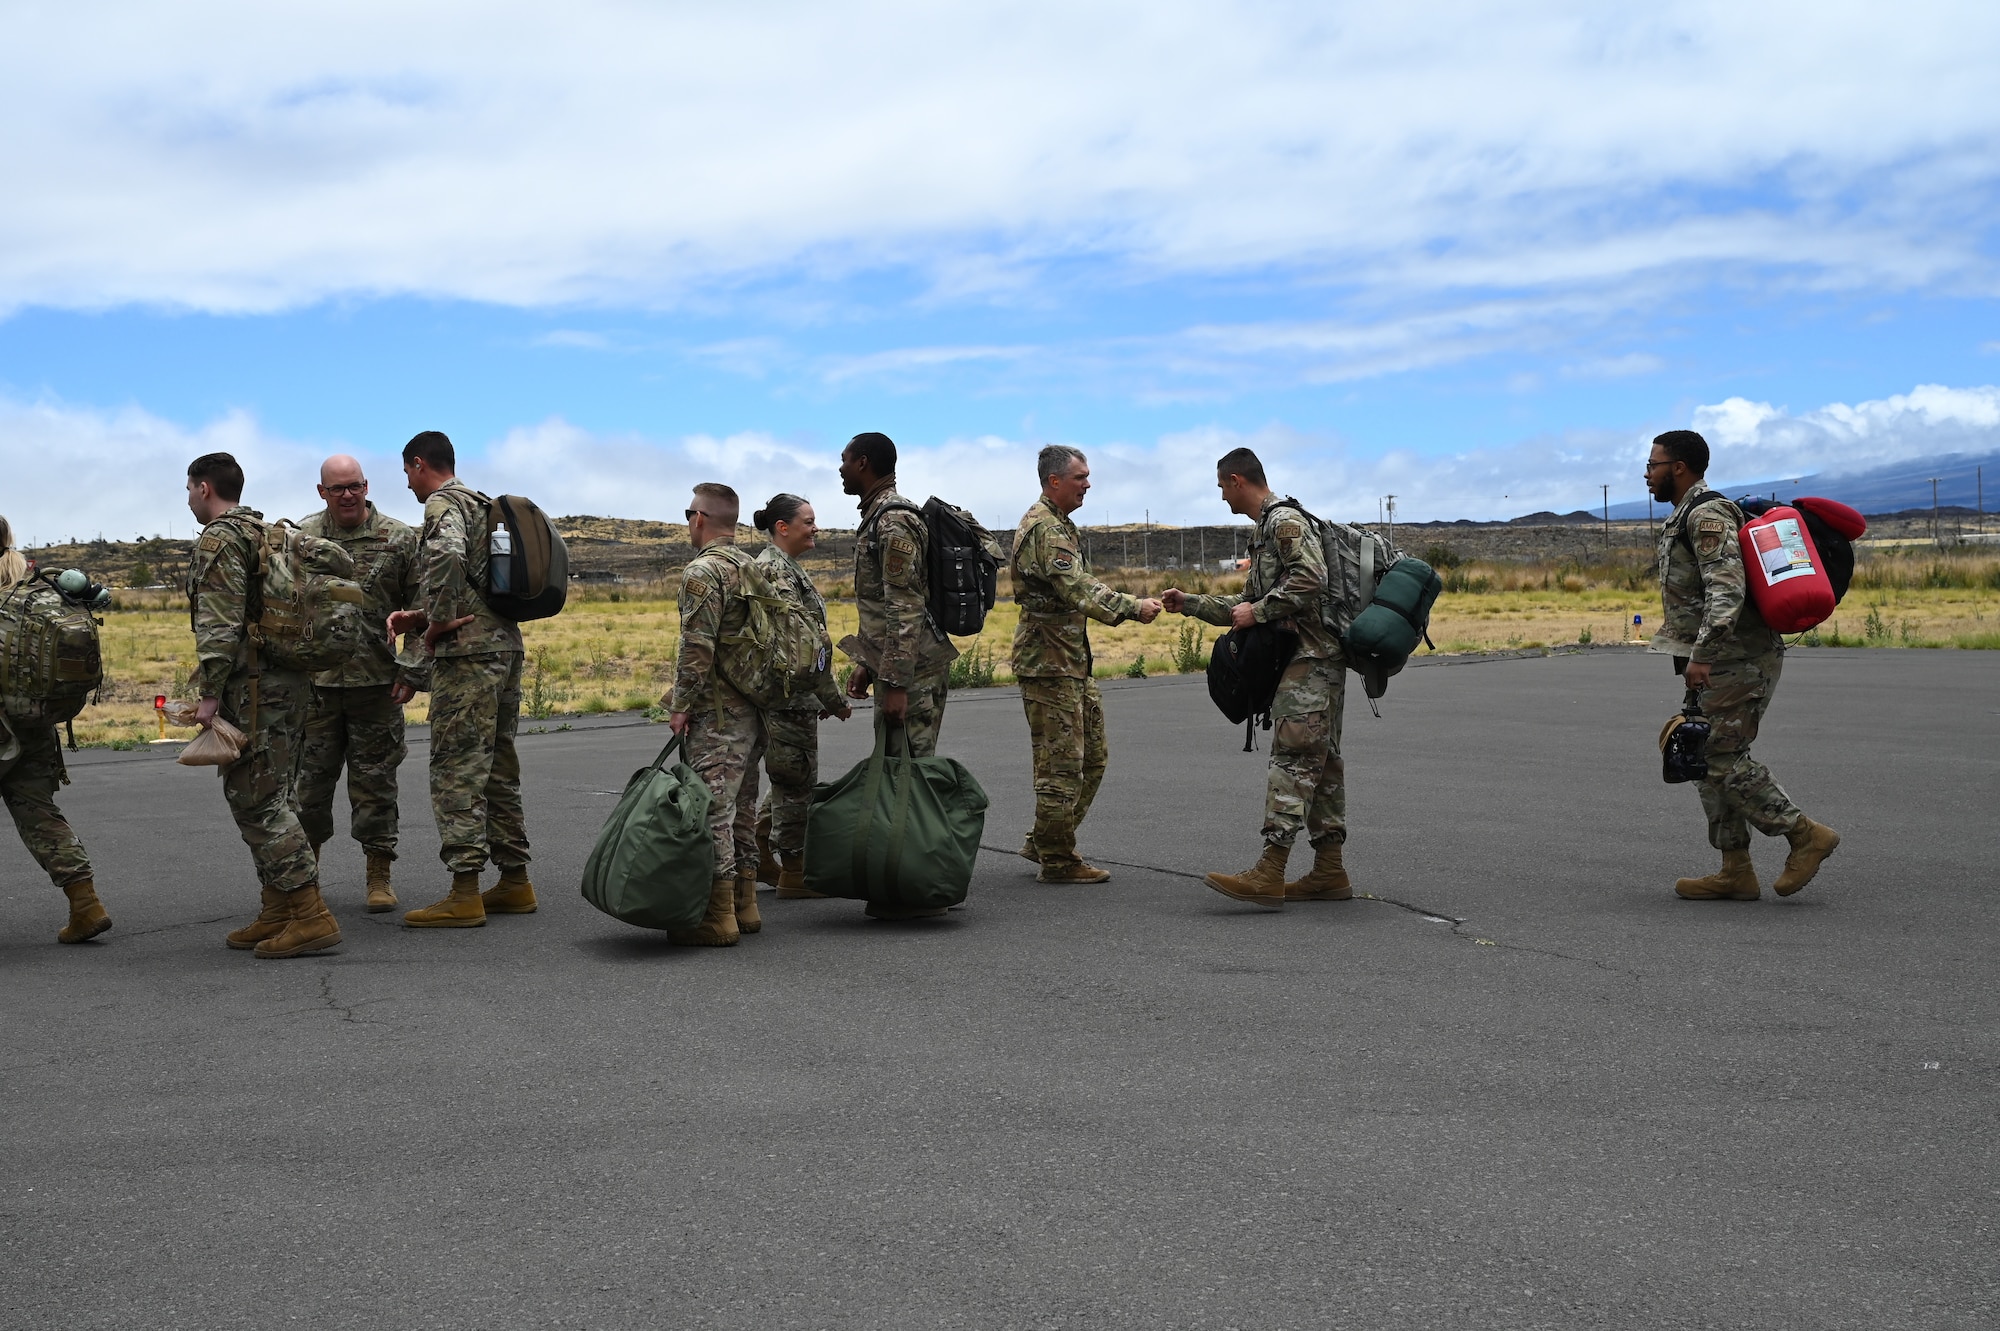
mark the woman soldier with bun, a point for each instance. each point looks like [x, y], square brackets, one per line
[791, 754]
[31, 768]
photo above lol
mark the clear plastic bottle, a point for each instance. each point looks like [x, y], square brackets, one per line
[500, 576]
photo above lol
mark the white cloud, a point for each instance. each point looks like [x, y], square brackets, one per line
[121, 472]
[1753, 440]
[226, 156]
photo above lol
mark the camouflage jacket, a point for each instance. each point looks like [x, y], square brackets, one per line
[1057, 596]
[454, 556]
[218, 591]
[1709, 616]
[384, 551]
[790, 581]
[897, 641]
[1287, 570]
[711, 605]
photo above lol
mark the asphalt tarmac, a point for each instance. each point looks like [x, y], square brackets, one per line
[1524, 1086]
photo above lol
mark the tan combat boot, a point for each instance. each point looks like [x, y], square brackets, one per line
[1028, 850]
[748, 918]
[270, 922]
[1071, 871]
[718, 923]
[792, 879]
[1327, 880]
[381, 896]
[462, 909]
[86, 913]
[311, 927]
[512, 895]
[1812, 843]
[1735, 881]
[1264, 885]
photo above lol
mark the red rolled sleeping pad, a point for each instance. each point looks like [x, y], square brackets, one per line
[1788, 579]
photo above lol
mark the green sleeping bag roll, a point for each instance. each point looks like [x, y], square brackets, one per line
[654, 861]
[896, 830]
[1383, 636]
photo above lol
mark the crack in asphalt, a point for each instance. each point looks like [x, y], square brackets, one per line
[1457, 923]
[347, 1012]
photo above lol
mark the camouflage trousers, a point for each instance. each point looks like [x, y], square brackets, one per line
[926, 715]
[725, 738]
[1066, 726]
[359, 729]
[475, 772]
[261, 787]
[791, 760]
[1739, 792]
[1307, 784]
[28, 783]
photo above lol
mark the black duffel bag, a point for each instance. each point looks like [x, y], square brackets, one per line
[1244, 669]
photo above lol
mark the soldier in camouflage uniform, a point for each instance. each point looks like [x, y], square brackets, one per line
[356, 721]
[1058, 595]
[31, 770]
[791, 749]
[725, 730]
[475, 698]
[267, 704]
[900, 652]
[1732, 659]
[1306, 789]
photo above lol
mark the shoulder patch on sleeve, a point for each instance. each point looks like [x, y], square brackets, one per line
[697, 581]
[210, 541]
[1709, 533]
[899, 557]
[1062, 561]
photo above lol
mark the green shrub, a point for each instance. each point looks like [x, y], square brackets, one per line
[1190, 650]
[974, 668]
[1137, 670]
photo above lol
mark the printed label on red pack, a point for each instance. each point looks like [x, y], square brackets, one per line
[1781, 551]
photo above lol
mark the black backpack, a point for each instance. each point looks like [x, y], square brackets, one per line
[1243, 673]
[961, 566]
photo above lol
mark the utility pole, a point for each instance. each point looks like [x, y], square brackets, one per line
[1607, 519]
[1146, 540]
[1979, 480]
[1391, 501]
[1935, 540]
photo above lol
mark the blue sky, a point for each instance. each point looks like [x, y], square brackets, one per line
[1473, 255]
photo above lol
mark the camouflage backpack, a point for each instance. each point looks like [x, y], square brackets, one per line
[1355, 563]
[779, 650]
[50, 663]
[305, 608]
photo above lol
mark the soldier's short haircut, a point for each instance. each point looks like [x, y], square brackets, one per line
[433, 448]
[726, 504]
[1241, 462]
[221, 472]
[1054, 461]
[1684, 446]
[878, 450]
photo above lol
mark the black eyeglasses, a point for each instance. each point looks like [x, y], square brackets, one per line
[1660, 462]
[354, 489]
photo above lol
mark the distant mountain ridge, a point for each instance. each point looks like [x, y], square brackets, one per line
[1895, 488]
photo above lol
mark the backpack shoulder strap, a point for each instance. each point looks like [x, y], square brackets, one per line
[875, 518]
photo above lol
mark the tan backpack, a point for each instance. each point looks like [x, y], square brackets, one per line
[305, 610]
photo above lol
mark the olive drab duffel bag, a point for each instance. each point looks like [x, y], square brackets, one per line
[897, 830]
[50, 661]
[654, 861]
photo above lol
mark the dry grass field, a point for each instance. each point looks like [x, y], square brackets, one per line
[614, 648]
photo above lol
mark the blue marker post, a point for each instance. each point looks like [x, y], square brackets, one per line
[1638, 634]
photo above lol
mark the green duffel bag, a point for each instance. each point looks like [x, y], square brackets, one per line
[897, 830]
[654, 861]
[1380, 640]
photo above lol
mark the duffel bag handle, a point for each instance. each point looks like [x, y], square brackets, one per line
[677, 742]
[878, 764]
